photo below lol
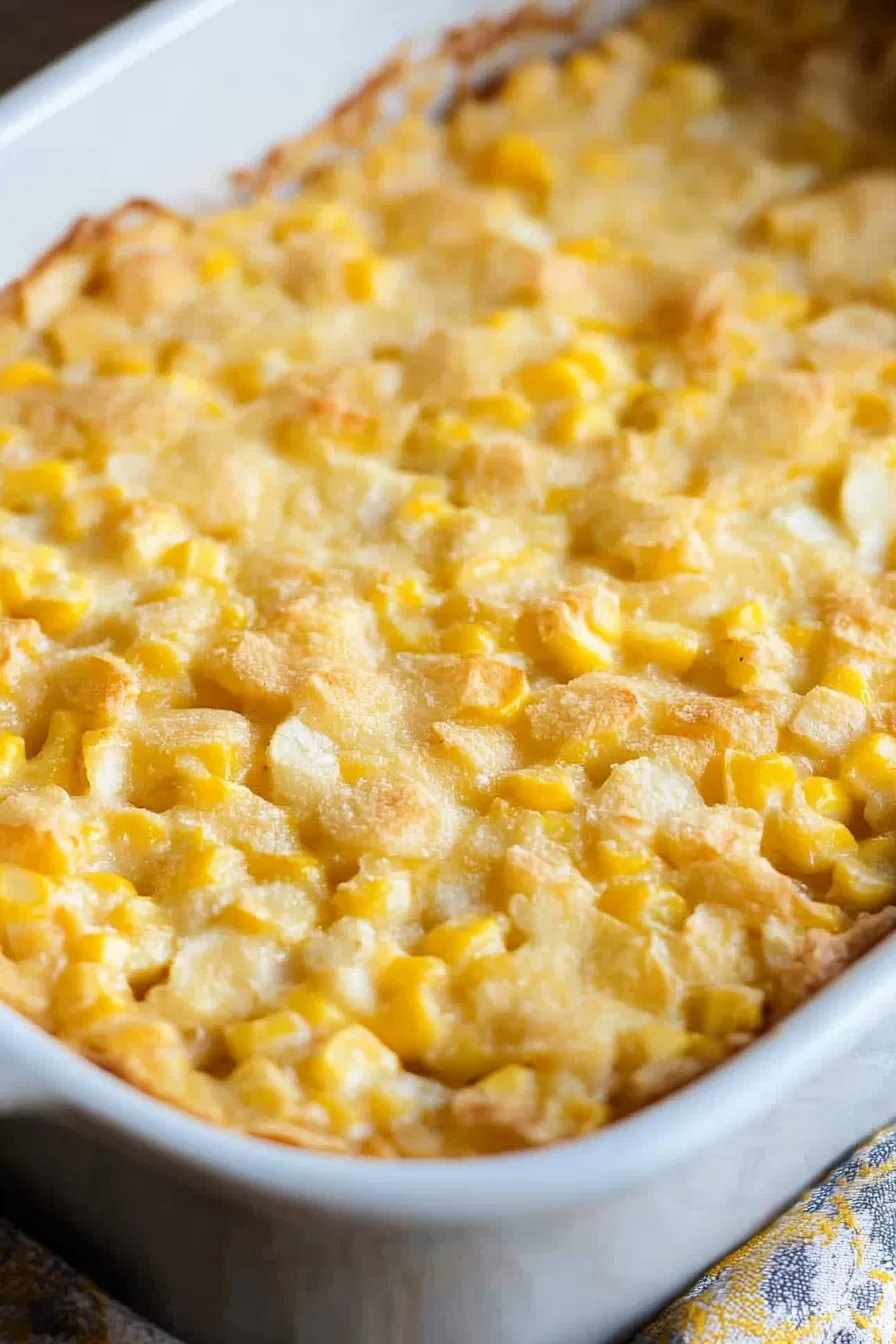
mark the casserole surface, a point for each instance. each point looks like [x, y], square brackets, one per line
[449, 633]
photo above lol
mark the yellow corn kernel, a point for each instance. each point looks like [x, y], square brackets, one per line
[274, 1035]
[25, 373]
[469, 638]
[637, 901]
[748, 618]
[217, 263]
[86, 510]
[126, 358]
[777, 305]
[588, 249]
[361, 276]
[198, 557]
[543, 789]
[513, 1085]
[24, 895]
[848, 681]
[85, 992]
[7, 434]
[264, 1087]
[578, 425]
[60, 613]
[515, 160]
[350, 1062]
[866, 879]
[58, 759]
[458, 944]
[664, 643]
[727, 1008]
[870, 766]
[599, 161]
[507, 409]
[698, 89]
[828, 797]
[246, 380]
[808, 843]
[597, 357]
[321, 1013]
[378, 899]
[12, 756]
[576, 633]
[608, 859]
[40, 483]
[410, 1019]
[759, 782]
[102, 948]
[656, 1042]
[327, 216]
[559, 379]
[158, 657]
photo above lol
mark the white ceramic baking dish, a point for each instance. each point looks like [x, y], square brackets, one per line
[229, 1240]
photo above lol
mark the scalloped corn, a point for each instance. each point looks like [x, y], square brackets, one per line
[448, 615]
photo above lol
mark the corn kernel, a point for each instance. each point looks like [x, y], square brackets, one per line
[361, 276]
[848, 681]
[457, 944]
[199, 557]
[599, 161]
[670, 646]
[749, 618]
[866, 879]
[870, 766]
[12, 756]
[58, 759]
[588, 249]
[698, 89]
[578, 425]
[785, 306]
[104, 949]
[25, 373]
[808, 843]
[271, 1036]
[321, 1013]
[350, 1062]
[546, 789]
[507, 409]
[85, 992]
[828, 797]
[217, 263]
[656, 1042]
[469, 638]
[759, 782]
[126, 358]
[559, 379]
[515, 160]
[609, 859]
[41, 482]
[378, 899]
[264, 1087]
[24, 895]
[643, 904]
[728, 1008]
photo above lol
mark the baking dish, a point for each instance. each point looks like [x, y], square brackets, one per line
[222, 1238]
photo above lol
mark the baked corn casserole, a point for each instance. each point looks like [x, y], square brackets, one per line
[448, 676]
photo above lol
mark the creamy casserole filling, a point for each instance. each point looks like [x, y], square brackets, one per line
[448, 675]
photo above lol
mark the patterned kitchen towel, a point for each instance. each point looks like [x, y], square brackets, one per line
[823, 1273]
[45, 1301]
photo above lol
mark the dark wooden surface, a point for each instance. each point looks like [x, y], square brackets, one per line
[35, 32]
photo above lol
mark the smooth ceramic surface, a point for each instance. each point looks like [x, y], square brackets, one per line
[227, 1240]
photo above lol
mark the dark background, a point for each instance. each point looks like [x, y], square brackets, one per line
[35, 32]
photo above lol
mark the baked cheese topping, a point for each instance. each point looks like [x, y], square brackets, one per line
[448, 641]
